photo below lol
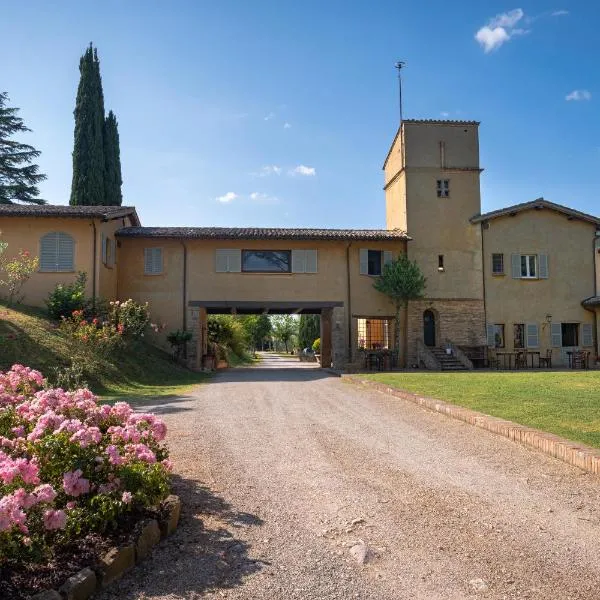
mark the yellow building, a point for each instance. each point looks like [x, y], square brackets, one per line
[522, 278]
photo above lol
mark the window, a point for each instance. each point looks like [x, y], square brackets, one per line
[57, 252]
[373, 261]
[440, 262]
[570, 334]
[153, 261]
[228, 261]
[443, 188]
[497, 264]
[266, 261]
[304, 261]
[373, 334]
[519, 335]
[495, 335]
[528, 266]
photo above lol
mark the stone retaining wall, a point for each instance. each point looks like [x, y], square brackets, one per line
[117, 561]
[573, 453]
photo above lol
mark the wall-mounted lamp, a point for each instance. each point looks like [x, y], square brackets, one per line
[548, 318]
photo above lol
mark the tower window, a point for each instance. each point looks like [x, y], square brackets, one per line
[443, 188]
[440, 262]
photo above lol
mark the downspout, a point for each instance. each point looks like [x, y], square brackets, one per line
[483, 259]
[349, 302]
[94, 266]
[184, 295]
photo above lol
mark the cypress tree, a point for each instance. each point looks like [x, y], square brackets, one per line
[112, 162]
[18, 176]
[87, 187]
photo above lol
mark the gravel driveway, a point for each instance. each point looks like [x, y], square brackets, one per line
[289, 475]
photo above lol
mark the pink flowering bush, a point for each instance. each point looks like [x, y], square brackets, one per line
[69, 465]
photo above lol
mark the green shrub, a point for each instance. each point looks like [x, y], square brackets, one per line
[317, 345]
[66, 298]
[178, 340]
[69, 378]
[228, 331]
[129, 317]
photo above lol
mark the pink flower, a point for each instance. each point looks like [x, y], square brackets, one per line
[127, 497]
[55, 519]
[45, 493]
[74, 484]
[71, 505]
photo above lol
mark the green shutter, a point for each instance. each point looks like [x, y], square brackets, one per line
[221, 261]
[298, 261]
[516, 265]
[491, 337]
[543, 266]
[587, 334]
[388, 257]
[311, 261]
[103, 248]
[364, 261]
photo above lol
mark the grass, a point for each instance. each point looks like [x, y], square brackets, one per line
[563, 403]
[28, 337]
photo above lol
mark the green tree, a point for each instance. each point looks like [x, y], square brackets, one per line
[112, 162]
[258, 328]
[87, 187]
[19, 176]
[402, 281]
[309, 329]
[285, 327]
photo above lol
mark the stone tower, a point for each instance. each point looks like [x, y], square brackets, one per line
[432, 190]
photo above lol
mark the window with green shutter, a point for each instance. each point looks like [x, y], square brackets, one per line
[57, 252]
[153, 261]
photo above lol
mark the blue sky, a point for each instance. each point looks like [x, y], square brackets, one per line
[280, 113]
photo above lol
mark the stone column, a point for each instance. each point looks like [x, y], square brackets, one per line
[197, 347]
[338, 338]
[326, 323]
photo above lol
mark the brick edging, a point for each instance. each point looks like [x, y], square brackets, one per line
[117, 561]
[578, 455]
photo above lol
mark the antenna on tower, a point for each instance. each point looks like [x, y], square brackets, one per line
[400, 65]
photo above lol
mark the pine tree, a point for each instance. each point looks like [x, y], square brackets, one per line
[18, 175]
[87, 187]
[112, 162]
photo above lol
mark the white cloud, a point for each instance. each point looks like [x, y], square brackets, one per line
[444, 114]
[286, 126]
[304, 170]
[269, 170]
[270, 116]
[559, 13]
[577, 95]
[263, 198]
[228, 197]
[500, 30]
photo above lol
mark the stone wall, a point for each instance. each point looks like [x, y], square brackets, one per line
[338, 338]
[460, 321]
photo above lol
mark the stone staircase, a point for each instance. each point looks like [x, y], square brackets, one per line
[448, 362]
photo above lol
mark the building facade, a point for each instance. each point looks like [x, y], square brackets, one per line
[524, 277]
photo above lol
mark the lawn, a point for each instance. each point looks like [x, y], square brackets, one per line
[141, 371]
[563, 403]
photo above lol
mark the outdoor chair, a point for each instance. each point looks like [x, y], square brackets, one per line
[492, 360]
[578, 359]
[546, 361]
[520, 360]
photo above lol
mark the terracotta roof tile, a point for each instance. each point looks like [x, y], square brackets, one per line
[78, 212]
[260, 233]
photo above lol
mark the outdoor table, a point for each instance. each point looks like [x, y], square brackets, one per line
[504, 355]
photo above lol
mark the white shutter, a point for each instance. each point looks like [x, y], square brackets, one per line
[234, 263]
[533, 338]
[298, 261]
[311, 263]
[103, 246]
[556, 334]
[221, 260]
[388, 257]
[364, 261]
[543, 266]
[48, 251]
[516, 265]
[587, 334]
[153, 261]
[491, 338]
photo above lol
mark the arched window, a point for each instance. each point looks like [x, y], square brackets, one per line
[57, 252]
